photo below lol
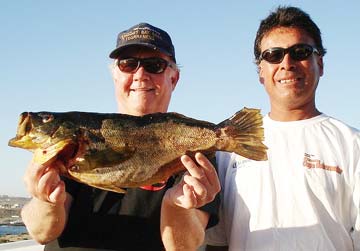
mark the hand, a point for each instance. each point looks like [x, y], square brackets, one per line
[43, 182]
[198, 186]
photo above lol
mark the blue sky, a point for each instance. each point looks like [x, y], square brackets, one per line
[54, 57]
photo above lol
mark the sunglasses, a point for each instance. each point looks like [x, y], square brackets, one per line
[151, 65]
[298, 52]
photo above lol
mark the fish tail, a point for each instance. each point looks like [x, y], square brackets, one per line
[243, 134]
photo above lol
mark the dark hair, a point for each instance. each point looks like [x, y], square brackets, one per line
[292, 17]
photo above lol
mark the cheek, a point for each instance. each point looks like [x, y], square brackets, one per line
[163, 83]
[266, 73]
[122, 82]
[314, 72]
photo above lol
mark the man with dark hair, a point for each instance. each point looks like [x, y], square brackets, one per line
[307, 195]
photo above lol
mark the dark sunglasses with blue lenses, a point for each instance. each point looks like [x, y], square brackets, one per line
[154, 65]
[298, 52]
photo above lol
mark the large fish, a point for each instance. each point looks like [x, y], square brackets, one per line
[115, 151]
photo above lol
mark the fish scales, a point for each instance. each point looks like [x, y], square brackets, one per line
[115, 151]
[159, 145]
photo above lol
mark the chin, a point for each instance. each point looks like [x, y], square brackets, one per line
[144, 111]
[147, 109]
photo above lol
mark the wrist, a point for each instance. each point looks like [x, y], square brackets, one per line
[167, 200]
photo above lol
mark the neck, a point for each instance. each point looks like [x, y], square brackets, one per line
[129, 112]
[293, 114]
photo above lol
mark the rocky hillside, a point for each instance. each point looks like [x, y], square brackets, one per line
[10, 208]
[14, 237]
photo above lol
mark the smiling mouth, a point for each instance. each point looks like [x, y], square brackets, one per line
[142, 89]
[288, 81]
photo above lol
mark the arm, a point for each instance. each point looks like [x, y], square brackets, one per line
[182, 225]
[46, 214]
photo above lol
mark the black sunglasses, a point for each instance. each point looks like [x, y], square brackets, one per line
[297, 52]
[152, 65]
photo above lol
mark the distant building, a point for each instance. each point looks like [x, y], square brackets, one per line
[16, 205]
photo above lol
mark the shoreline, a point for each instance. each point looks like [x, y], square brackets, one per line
[20, 224]
[14, 237]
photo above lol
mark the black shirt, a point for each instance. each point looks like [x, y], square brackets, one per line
[101, 220]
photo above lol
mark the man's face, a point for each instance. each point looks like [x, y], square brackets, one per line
[290, 84]
[140, 92]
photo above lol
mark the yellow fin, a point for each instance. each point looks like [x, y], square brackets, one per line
[243, 134]
[42, 156]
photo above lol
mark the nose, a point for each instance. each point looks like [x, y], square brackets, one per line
[140, 74]
[287, 62]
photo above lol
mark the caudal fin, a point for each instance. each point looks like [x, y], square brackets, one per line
[243, 134]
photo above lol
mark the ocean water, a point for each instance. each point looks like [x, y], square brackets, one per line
[5, 229]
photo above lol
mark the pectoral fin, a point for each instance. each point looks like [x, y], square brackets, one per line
[42, 156]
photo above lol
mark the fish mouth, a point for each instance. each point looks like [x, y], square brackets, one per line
[44, 150]
[24, 124]
[22, 138]
[26, 137]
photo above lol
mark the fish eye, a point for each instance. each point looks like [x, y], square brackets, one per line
[46, 118]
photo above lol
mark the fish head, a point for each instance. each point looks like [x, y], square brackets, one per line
[44, 133]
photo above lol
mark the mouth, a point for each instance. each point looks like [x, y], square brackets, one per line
[288, 81]
[24, 124]
[22, 138]
[146, 90]
[142, 89]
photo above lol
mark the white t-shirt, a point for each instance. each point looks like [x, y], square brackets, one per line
[305, 197]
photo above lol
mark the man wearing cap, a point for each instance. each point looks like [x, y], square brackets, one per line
[67, 215]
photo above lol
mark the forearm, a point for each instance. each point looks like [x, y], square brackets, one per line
[182, 229]
[45, 221]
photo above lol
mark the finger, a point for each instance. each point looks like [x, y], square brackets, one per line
[198, 179]
[33, 172]
[47, 184]
[189, 199]
[205, 164]
[209, 171]
[192, 167]
[202, 189]
[202, 160]
[198, 187]
[58, 195]
[32, 176]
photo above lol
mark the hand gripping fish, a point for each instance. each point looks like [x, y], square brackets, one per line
[115, 151]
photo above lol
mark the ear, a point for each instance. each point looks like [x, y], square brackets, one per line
[260, 72]
[320, 63]
[174, 79]
[113, 73]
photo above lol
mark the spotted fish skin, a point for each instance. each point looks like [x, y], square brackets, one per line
[112, 151]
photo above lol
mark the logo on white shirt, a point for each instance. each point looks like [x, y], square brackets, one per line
[241, 162]
[311, 162]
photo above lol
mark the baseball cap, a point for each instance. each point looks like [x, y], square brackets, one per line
[144, 34]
